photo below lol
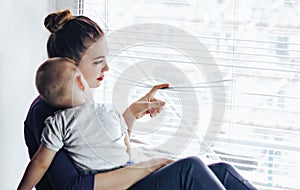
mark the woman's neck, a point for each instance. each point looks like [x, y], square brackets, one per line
[81, 97]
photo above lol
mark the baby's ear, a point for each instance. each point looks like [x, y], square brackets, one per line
[79, 81]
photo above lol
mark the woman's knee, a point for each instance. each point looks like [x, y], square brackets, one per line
[192, 162]
[223, 165]
[197, 173]
[223, 168]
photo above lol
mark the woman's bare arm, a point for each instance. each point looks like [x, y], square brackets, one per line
[123, 178]
[36, 168]
[127, 143]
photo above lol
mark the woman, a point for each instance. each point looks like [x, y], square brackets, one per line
[81, 39]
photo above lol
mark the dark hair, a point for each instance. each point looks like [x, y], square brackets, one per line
[70, 35]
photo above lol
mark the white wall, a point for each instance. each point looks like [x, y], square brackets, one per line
[22, 48]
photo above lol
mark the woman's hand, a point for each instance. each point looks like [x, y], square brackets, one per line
[145, 105]
[129, 175]
[153, 164]
[148, 104]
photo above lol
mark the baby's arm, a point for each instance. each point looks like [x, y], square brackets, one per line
[36, 168]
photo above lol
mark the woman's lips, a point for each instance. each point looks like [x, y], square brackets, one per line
[100, 78]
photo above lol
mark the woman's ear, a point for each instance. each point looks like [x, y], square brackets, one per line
[80, 82]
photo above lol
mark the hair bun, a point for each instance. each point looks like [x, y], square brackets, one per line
[55, 21]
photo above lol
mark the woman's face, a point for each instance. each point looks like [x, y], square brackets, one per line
[93, 64]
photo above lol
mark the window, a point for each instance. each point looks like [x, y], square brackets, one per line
[256, 46]
[282, 45]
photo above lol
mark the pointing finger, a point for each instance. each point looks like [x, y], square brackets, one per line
[156, 88]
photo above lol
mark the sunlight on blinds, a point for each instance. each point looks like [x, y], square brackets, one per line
[256, 46]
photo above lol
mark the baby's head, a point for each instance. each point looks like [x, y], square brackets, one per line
[60, 83]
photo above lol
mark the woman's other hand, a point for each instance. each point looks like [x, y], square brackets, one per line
[152, 165]
[129, 175]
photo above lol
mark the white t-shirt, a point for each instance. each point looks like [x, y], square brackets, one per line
[93, 134]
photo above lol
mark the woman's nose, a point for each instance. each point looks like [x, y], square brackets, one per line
[105, 68]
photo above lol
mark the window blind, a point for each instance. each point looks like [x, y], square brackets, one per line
[255, 45]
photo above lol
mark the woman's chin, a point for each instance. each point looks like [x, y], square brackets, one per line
[97, 84]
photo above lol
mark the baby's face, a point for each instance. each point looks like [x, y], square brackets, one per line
[81, 92]
[87, 90]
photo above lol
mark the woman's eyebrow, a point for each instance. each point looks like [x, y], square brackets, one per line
[99, 57]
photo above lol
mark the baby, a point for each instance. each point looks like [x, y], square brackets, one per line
[95, 135]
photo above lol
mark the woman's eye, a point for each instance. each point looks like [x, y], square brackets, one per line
[98, 62]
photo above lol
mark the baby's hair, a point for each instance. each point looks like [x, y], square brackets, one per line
[70, 36]
[54, 81]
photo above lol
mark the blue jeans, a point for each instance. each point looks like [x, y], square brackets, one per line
[192, 174]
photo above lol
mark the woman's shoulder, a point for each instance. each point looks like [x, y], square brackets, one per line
[40, 105]
[34, 123]
[39, 110]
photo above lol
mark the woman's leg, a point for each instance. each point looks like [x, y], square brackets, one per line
[185, 174]
[230, 178]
